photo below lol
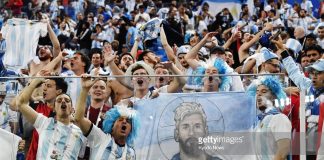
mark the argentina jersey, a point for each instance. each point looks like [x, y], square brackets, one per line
[56, 140]
[105, 148]
[22, 38]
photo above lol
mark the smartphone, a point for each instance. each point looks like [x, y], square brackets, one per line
[275, 36]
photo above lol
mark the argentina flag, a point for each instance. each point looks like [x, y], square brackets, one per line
[207, 125]
[215, 6]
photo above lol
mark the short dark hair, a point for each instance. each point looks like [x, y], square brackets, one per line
[124, 54]
[85, 59]
[314, 47]
[137, 67]
[144, 53]
[95, 51]
[60, 83]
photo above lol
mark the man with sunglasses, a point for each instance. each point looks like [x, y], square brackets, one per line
[314, 87]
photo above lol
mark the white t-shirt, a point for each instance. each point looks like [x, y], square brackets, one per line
[22, 39]
[54, 136]
[271, 129]
[9, 145]
[103, 147]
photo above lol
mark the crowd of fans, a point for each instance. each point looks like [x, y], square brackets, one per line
[128, 40]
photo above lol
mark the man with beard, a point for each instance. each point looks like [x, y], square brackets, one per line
[120, 128]
[125, 60]
[191, 124]
[314, 53]
[115, 89]
[58, 137]
[313, 86]
[45, 54]
[273, 130]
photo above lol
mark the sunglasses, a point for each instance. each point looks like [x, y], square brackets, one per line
[315, 73]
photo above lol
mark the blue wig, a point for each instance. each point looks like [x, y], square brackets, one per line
[222, 68]
[118, 111]
[273, 83]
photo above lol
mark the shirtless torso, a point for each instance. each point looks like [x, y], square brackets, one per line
[117, 91]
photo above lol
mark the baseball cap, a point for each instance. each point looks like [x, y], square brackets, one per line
[184, 49]
[318, 65]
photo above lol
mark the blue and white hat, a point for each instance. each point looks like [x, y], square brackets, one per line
[318, 65]
[184, 49]
[272, 82]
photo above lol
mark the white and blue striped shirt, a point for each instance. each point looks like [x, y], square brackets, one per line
[103, 147]
[22, 38]
[54, 136]
[74, 88]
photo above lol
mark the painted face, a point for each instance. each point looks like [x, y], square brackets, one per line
[264, 96]
[98, 91]
[122, 127]
[189, 130]
[141, 82]
[63, 105]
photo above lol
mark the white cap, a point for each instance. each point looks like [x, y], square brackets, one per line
[183, 49]
[267, 8]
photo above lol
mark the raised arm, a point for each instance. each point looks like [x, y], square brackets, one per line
[243, 51]
[54, 40]
[55, 64]
[178, 82]
[192, 54]
[23, 99]
[168, 50]
[293, 70]
[135, 47]
[109, 60]
[80, 120]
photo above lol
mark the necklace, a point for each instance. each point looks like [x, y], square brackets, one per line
[56, 153]
[98, 118]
